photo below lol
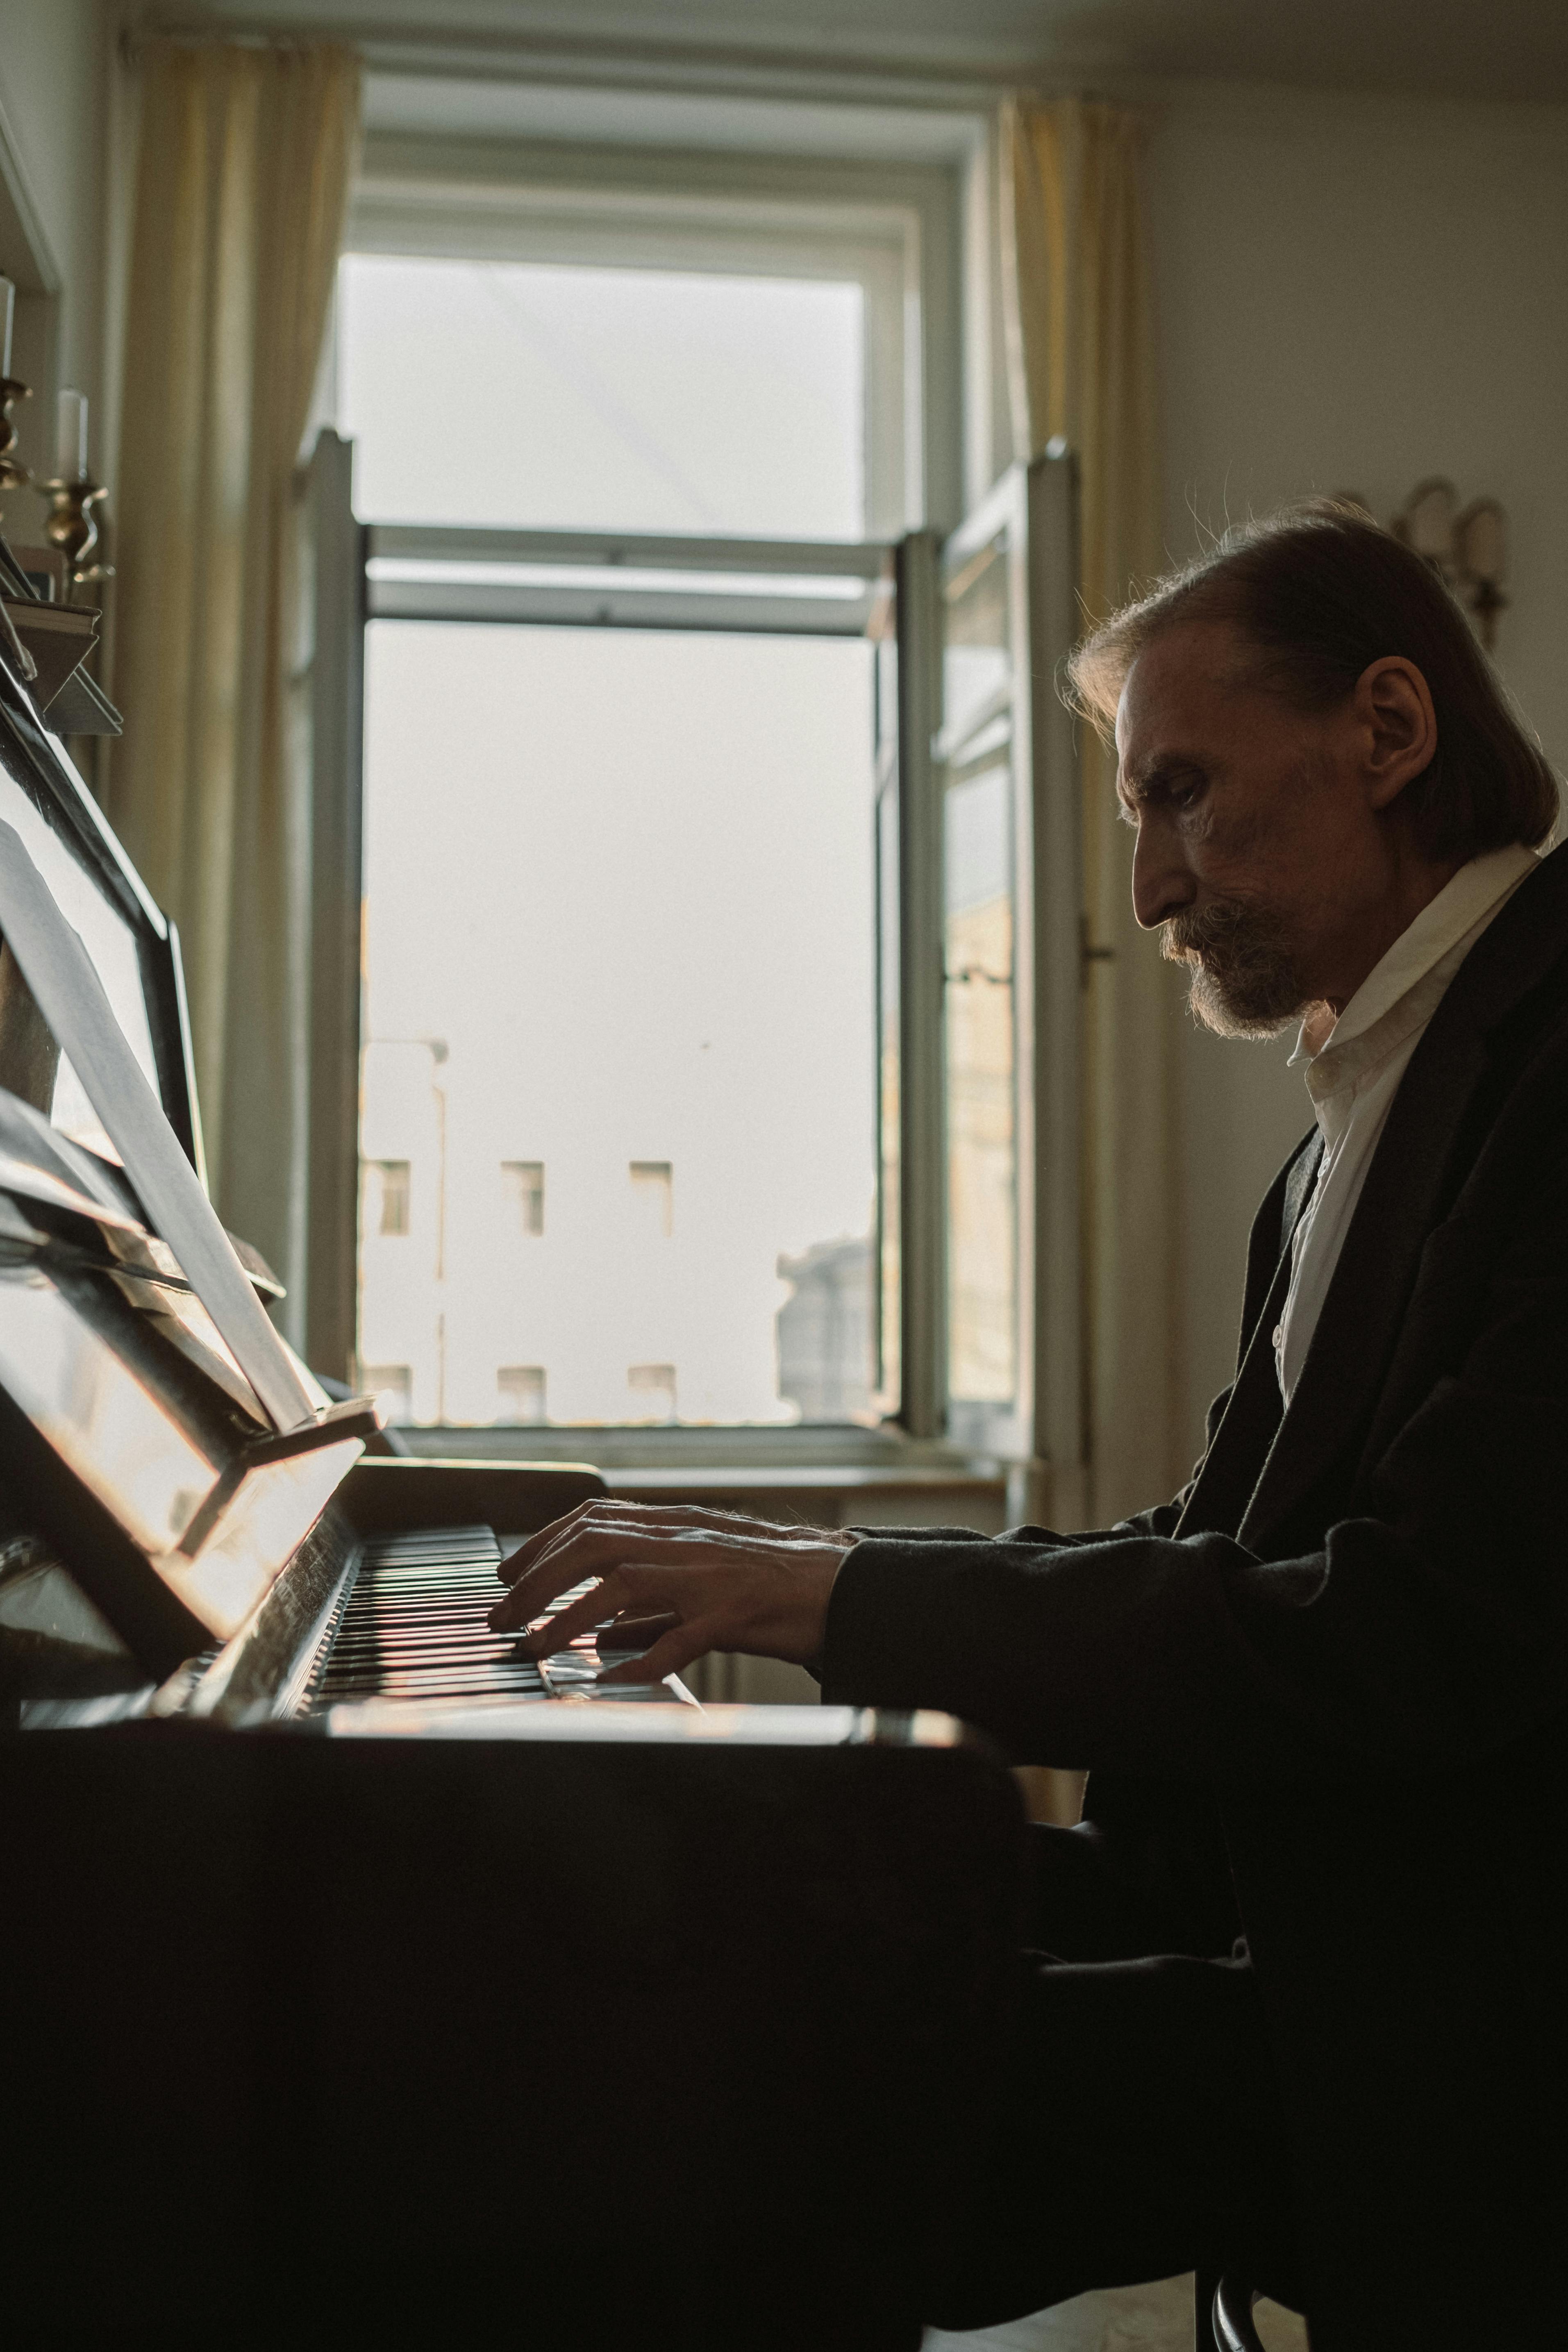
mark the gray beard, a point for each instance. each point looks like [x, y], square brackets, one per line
[1244, 979]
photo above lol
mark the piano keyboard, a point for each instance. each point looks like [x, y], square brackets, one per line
[413, 1625]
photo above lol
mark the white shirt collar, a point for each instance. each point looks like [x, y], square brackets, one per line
[1391, 1001]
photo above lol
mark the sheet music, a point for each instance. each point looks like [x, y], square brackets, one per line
[38, 1184]
[60, 973]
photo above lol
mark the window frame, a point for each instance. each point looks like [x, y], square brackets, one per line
[872, 251]
[898, 226]
[1032, 512]
[732, 213]
[872, 564]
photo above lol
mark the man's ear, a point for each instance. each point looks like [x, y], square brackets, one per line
[1397, 726]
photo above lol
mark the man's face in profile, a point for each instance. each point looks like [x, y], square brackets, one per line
[1257, 850]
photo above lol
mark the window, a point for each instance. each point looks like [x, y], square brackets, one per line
[755, 842]
[386, 1196]
[523, 1193]
[520, 1393]
[392, 1386]
[651, 1389]
[655, 331]
[653, 1197]
[642, 897]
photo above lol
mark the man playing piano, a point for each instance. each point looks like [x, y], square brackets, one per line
[1294, 1989]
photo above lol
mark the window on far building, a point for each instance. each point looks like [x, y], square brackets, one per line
[651, 1390]
[386, 1196]
[653, 1196]
[522, 1189]
[392, 1386]
[519, 1392]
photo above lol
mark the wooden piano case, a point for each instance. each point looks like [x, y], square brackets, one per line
[659, 2041]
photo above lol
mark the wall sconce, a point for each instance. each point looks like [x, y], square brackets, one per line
[1467, 548]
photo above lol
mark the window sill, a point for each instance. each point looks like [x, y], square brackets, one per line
[832, 1476]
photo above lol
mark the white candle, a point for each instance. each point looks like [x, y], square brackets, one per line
[7, 315]
[70, 437]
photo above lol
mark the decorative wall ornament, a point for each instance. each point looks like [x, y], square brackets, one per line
[1467, 547]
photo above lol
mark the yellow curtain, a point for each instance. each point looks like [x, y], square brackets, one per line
[245, 158]
[1079, 327]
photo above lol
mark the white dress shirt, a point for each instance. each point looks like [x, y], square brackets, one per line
[1354, 1075]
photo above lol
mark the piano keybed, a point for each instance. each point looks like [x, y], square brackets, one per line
[413, 1624]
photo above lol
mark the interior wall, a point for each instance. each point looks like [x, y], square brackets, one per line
[1353, 293]
[54, 66]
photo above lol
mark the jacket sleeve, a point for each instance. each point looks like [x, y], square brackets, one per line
[1429, 1628]
[1158, 1521]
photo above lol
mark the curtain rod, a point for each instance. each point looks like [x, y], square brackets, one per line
[451, 50]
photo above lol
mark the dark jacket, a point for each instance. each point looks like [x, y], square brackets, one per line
[1323, 1694]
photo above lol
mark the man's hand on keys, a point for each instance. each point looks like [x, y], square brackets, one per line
[682, 1580]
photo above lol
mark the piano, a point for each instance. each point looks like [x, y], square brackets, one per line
[365, 1981]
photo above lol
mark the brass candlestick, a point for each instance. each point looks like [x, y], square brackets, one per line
[71, 526]
[12, 474]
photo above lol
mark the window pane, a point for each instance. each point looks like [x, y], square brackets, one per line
[539, 396]
[887, 1296]
[619, 926]
[890, 1104]
[981, 1166]
[976, 666]
[977, 681]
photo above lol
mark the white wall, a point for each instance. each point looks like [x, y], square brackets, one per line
[53, 82]
[1354, 292]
